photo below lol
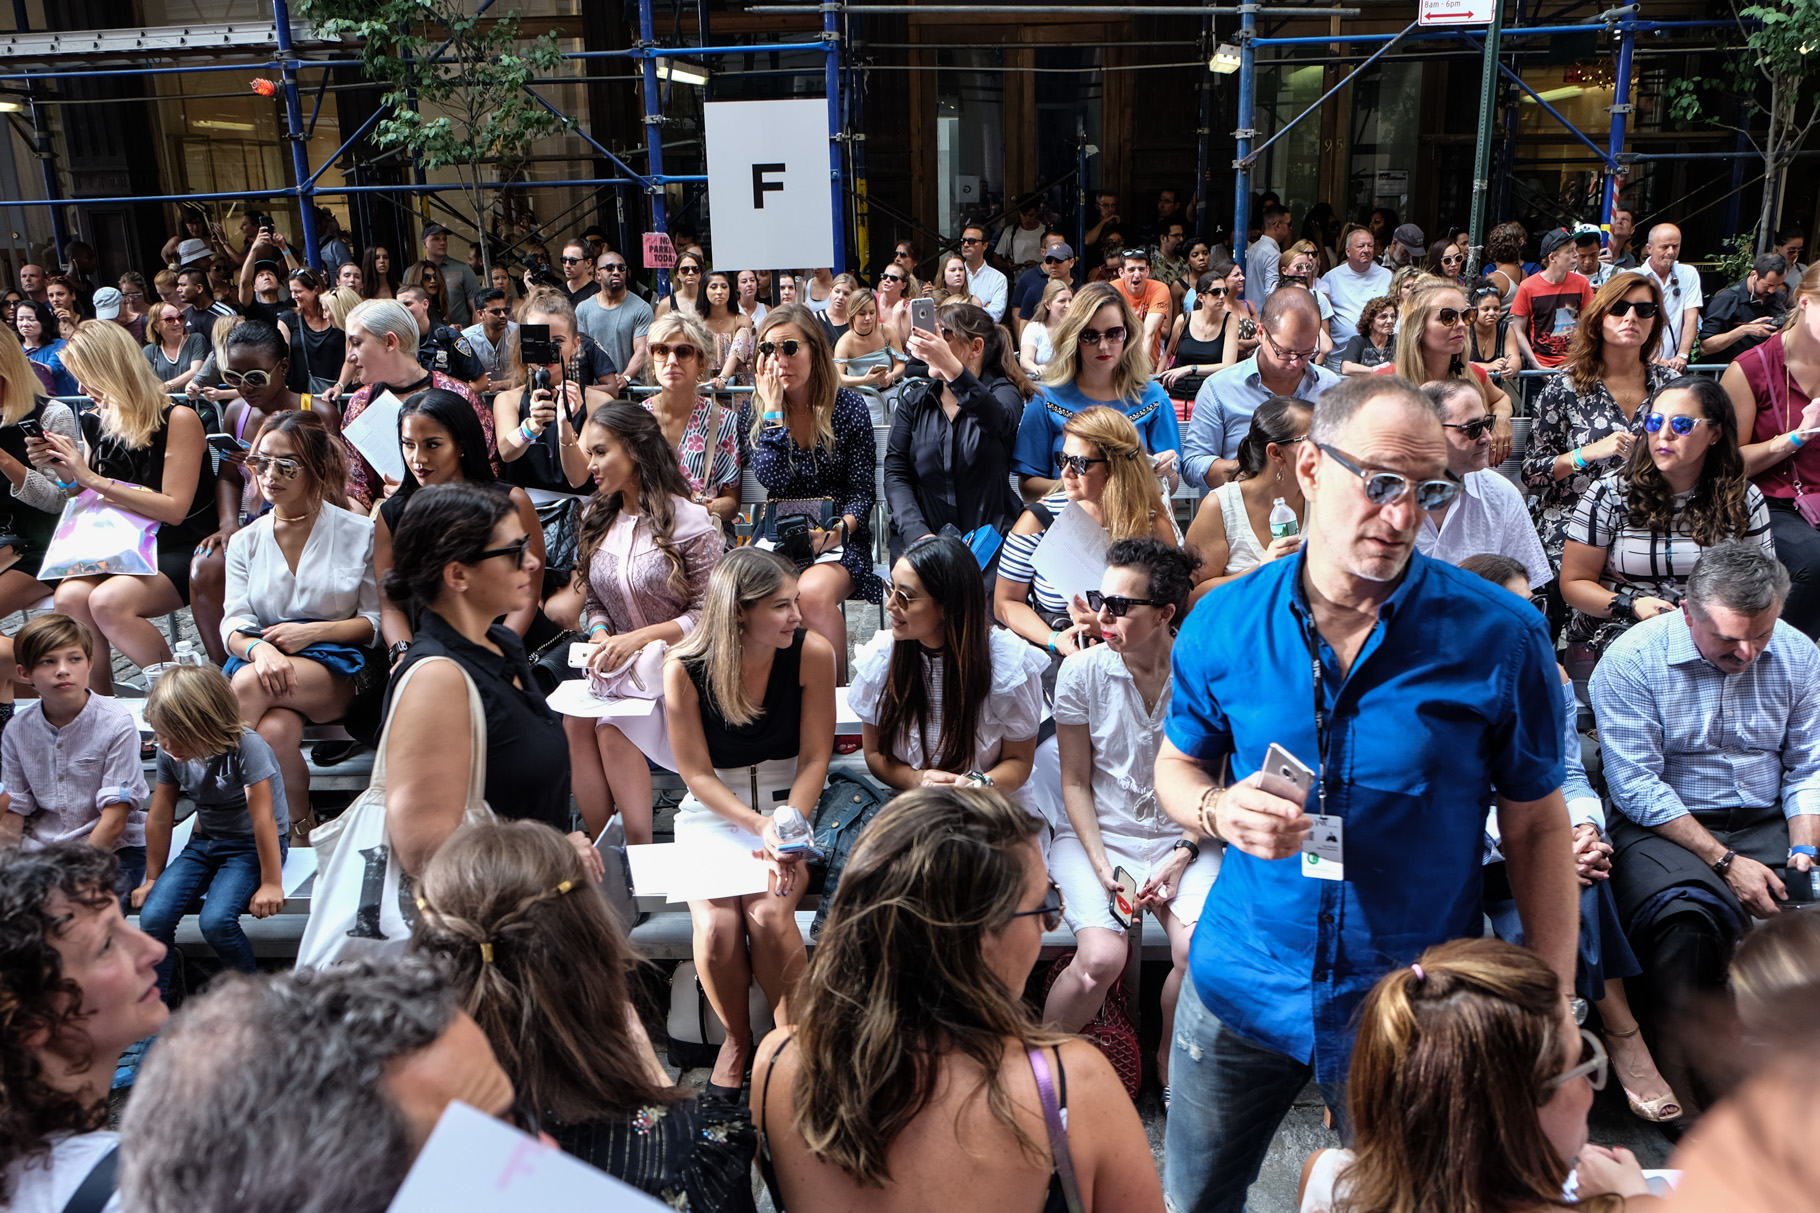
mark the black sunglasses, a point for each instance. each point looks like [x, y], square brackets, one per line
[573, 260]
[515, 550]
[1116, 606]
[790, 347]
[973, 240]
[1051, 909]
[1386, 488]
[1473, 430]
[1078, 464]
[1646, 309]
[891, 277]
[1054, 260]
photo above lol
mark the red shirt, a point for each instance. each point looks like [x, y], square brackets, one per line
[1551, 313]
[1154, 301]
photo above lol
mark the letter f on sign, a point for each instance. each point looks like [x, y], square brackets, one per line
[760, 185]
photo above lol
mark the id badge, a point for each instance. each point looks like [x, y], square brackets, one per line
[1324, 850]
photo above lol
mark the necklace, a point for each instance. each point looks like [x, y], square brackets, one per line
[298, 518]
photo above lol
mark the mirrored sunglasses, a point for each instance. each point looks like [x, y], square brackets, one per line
[1387, 488]
[1112, 336]
[1078, 464]
[1682, 425]
[280, 467]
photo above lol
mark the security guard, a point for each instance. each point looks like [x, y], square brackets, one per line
[439, 347]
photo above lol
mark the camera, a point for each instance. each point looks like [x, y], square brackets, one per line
[535, 347]
[793, 539]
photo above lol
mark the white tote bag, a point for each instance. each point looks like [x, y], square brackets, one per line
[363, 903]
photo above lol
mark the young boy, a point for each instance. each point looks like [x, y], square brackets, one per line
[70, 758]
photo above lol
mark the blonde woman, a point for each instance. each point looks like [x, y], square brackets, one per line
[1099, 360]
[176, 354]
[149, 458]
[809, 439]
[1431, 344]
[864, 352]
[1037, 347]
[1106, 473]
[339, 302]
[749, 699]
[703, 432]
[536, 429]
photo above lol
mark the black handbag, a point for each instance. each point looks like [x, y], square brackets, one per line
[550, 666]
[846, 805]
[561, 522]
[818, 510]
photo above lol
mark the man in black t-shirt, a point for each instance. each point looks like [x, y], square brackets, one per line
[200, 307]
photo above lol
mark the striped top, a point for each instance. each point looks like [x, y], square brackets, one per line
[1015, 562]
[1651, 560]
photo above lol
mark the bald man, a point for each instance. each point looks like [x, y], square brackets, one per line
[1681, 297]
[32, 282]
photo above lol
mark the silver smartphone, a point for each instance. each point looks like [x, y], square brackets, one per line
[1286, 775]
[922, 315]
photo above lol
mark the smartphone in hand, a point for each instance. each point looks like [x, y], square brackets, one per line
[1122, 901]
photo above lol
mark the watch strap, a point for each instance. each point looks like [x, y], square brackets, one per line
[1724, 863]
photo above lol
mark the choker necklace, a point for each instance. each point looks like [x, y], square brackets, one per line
[298, 518]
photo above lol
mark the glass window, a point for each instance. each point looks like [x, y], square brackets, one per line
[970, 136]
[1386, 124]
[1292, 165]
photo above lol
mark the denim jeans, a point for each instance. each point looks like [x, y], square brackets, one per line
[217, 876]
[1227, 1097]
[132, 875]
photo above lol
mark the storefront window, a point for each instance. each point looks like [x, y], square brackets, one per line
[970, 137]
[1386, 126]
[1293, 163]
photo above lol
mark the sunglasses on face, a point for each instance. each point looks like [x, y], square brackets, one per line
[1646, 309]
[1111, 336]
[498, 313]
[1474, 429]
[1594, 1064]
[681, 353]
[891, 277]
[789, 347]
[1078, 464]
[900, 598]
[1447, 317]
[973, 240]
[614, 267]
[1051, 911]
[254, 378]
[688, 269]
[515, 550]
[1456, 259]
[1682, 425]
[1053, 261]
[1217, 292]
[1387, 488]
[279, 467]
[1115, 605]
[573, 260]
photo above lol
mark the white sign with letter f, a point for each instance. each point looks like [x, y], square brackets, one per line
[769, 165]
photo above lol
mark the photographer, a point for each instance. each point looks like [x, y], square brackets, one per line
[538, 421]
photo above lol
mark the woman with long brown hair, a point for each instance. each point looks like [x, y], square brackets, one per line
[939, 1089]
[427, 276]
[1468, 1091]
[686, 293]
[379, 274]
[537, 960]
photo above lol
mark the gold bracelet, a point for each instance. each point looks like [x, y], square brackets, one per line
[1206, 821]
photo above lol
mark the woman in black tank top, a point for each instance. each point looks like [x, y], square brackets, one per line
[750, 702]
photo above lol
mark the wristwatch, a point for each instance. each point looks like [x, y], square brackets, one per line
[979, 779]
[1624, 603]
[397, 650]
[1724, 863]
[1188, 845]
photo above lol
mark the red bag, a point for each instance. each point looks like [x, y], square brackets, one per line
[1111, 1030]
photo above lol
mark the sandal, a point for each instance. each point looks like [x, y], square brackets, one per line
[1663, 1109]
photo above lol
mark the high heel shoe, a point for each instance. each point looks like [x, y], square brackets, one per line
[1664, 1109]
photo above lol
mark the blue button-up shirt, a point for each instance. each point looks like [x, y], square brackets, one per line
[1223, 409]
[1453, 698]
[1678, 733]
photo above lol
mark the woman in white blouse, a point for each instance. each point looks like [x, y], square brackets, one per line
[302, 598]
[944, 697]
[1110, 704]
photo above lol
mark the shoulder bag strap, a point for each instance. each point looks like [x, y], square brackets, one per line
[385, 731]
[1058, 1134]
[766, 1167]
[477, 739]
[98, 1187]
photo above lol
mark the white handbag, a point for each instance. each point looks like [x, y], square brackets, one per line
[363, 904]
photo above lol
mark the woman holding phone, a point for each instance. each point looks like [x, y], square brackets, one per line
[537, 424]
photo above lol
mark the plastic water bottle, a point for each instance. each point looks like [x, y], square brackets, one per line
[186, 654]
[1282, 521]
[793, 832]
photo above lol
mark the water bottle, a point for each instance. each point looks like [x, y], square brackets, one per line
[793, 832]
[1282, 521]
[186, 654]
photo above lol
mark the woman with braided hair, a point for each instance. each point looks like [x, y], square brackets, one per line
[543, 968]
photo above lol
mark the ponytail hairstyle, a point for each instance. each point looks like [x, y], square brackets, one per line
[660, 483]
[743, 578]
[1455, 1055]
[1279, 422]
[537, 960]
[973, 322]
[1133, 498]
[951, 575]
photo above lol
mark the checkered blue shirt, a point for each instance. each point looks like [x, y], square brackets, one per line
[1679, 734]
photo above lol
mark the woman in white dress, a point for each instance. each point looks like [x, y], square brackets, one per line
[1231, 527]
[1110, 704]
[943, 696]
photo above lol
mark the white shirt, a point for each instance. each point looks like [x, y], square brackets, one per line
[1487, 516]
[1262, 262]
[1680, 291]
[1013, 710]
[1349, 292]
[334, 578]
[45, 1185]
[1018, 245]
[990, 288]
[1094, 688]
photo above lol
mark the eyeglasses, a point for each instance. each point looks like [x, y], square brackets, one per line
[573, 260]
[1116, 606]
[1447, 317]
[1112, 336]
[1682, 425]
[1474, 429]
[1078, 464]
[1051, 910]
[254, 378]
[973, 240]
[1387, 488]
[900, 598]
[1286, 355]
[1456, 259]
[790, 347]
[1055, 260]
[660, 351]
[891, 277]
[280, 467]
[515, 550]
[1646, 309]
[1595, 1065]
[1216, 292]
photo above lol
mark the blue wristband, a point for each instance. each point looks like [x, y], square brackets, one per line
[599, 627]
[248, 655]
[1795, 438]
[1804, 849]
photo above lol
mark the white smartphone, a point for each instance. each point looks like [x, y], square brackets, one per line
[578, 654]
[1285, 775]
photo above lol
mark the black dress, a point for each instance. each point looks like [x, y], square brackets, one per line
[527, 753]
[145, 466]
[691, 1154]
[776, 734]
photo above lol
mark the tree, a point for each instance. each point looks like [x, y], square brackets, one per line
[458, 83]
[1779, 38]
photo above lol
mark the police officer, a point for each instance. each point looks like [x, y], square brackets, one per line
[439, 347]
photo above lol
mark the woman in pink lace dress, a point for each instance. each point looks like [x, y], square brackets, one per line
[646, 550]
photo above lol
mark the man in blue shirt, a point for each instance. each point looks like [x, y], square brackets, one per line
[1437, 692]
[1709, 719]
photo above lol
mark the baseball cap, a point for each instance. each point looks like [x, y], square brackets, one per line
[268, 265]
[1554, 240]
[192, 250]
[431, 229]
[107, 303]
[1586, 233]
[1059, 250]
[1410, 237]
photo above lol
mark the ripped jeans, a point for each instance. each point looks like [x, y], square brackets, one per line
[1227, 1097]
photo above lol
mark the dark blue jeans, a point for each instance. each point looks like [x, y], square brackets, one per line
[132, 875]
[216, 877]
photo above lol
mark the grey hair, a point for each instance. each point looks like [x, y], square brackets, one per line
[1769, 263]
[1333, 412]
[1442, 392]
[382, 316]
[1739, 576]
[268, 1093]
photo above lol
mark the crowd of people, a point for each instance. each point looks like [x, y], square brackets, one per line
[1449, 542]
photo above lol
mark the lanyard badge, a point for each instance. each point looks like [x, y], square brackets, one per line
[1324, 850]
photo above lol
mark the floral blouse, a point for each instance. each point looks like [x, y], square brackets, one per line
[692, 452]
[1565, 420]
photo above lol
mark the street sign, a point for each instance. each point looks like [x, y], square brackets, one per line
[1456, 12]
